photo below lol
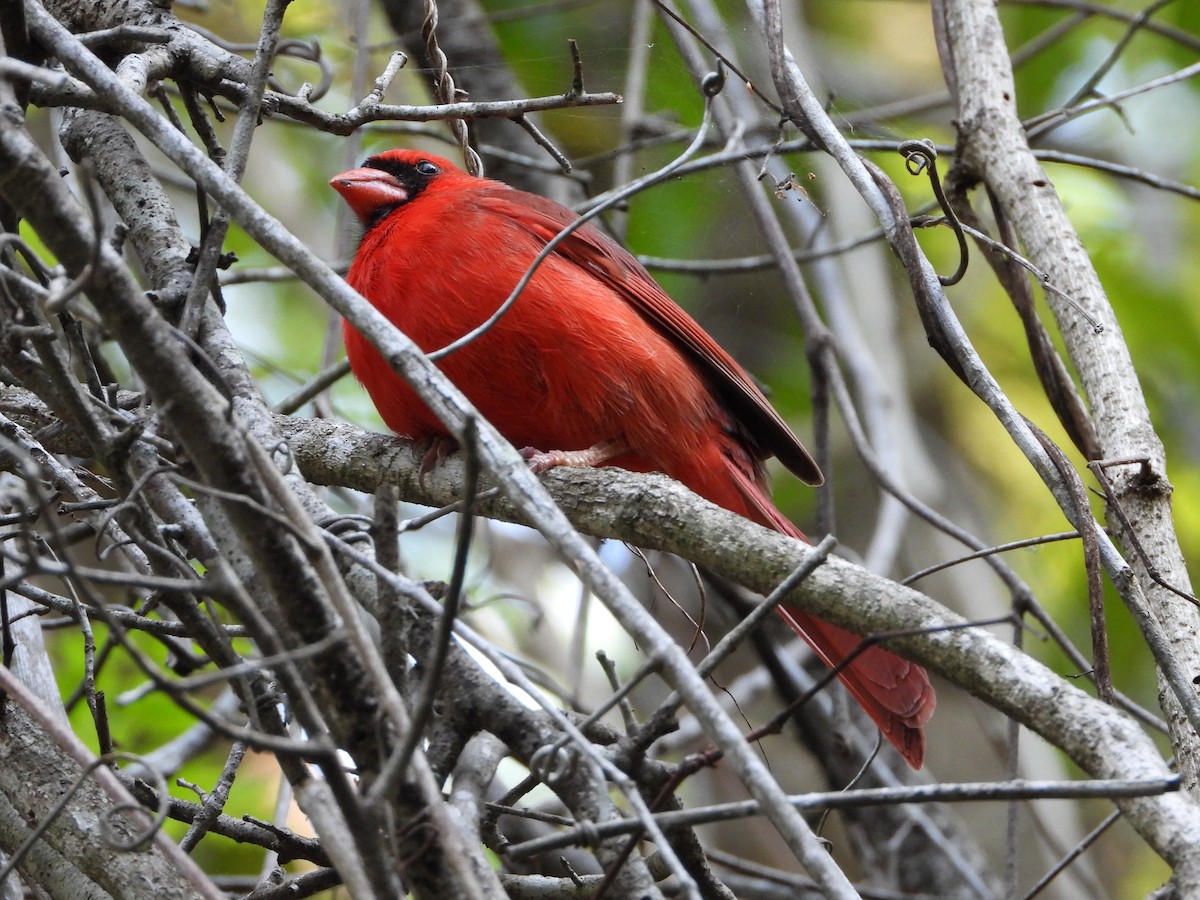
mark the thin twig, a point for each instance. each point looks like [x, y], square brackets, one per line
[864, 798]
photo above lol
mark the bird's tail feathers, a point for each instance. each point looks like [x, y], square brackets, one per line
[893, 691]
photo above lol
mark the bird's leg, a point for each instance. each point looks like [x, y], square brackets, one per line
[541, 460]
[433, 450]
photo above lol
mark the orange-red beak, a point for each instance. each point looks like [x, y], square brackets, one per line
[369, 190]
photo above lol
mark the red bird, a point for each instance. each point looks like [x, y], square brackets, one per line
[594, 365]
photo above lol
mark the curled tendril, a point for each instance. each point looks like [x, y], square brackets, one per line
[553, 764]
[920, 156]
[286, 460]
[305, 51]
[714, 81]
[109, 827]
[292, 48]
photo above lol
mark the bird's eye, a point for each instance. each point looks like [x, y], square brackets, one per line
[425, 167]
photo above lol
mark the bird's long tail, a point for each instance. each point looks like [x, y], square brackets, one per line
[895, 693]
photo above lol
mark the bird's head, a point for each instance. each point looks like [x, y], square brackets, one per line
[391, 180]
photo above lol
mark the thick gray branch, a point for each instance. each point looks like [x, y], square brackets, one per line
[654, 512]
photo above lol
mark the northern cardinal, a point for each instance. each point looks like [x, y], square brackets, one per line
[593, 365]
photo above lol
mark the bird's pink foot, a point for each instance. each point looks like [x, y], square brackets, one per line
[541, 460]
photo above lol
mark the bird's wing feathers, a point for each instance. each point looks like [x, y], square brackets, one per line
[590, 248]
